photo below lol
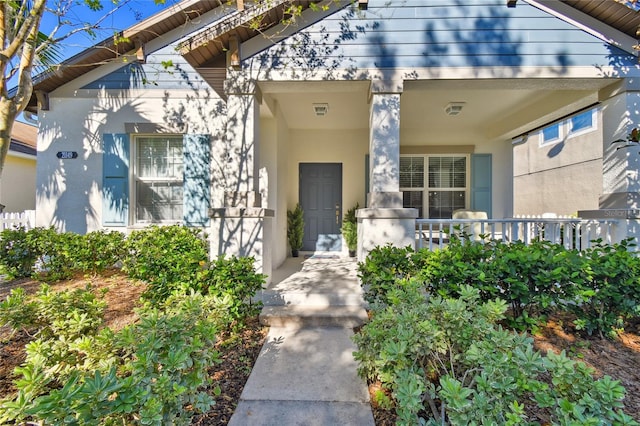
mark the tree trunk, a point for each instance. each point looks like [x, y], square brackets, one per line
[7, 118]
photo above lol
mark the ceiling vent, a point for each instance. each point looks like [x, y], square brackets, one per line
[321, 109]
[454, 108]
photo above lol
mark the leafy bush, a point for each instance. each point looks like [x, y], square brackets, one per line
[58, 255]
[445, 360]
[610, 291]
[233, 282]
[383, 268]
[463, 261]
[600, 285]
[157, 379]
[66, 326]
[17, 258]
[164, 257]
[58, 251]
[20, 250]
[534, 278]
[97, 251]
[295, 227]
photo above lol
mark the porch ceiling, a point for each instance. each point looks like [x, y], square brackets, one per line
[493, 109]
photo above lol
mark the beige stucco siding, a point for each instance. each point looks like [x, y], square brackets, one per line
[562, 191]
[17, 186]
[561, 178]
[68, 191]
[348, 147]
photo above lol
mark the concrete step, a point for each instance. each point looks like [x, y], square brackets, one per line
[313, 316]
[342, 297]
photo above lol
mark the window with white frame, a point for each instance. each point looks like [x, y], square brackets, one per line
[158, 178]
[441, 190]
[575, 125]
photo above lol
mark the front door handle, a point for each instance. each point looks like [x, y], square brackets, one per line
[337, 214]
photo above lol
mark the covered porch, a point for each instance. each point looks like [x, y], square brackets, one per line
[401, 153]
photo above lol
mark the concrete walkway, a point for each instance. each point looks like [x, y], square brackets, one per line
[305, 373]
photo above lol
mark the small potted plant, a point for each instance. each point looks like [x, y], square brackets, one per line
[350, 230]
[295, 229]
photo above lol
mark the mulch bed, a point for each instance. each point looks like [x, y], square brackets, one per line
[618, 358]
[238, 352]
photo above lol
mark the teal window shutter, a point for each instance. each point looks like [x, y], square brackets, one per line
[115, 180]
[197, 180]
[481, 182]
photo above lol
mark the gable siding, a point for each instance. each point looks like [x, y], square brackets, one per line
[440, 33]
[153, 74]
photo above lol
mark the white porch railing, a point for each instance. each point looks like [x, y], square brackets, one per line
[26, 219]
[570, 232]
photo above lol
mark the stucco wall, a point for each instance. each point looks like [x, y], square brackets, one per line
[274, 138]
[68, 191]
[558, 178]
[348, 147]
[18, 183]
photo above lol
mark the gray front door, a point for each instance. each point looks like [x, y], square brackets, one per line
[321, 200]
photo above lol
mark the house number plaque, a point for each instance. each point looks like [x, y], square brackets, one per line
[66, 155]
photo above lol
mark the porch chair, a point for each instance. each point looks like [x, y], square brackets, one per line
[473, 229]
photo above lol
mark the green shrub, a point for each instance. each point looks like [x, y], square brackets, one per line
[17, 256]
[295, 227]
[382, 269]
[97, 251]
[609, 294]
[446, 361]
[21, 250]
[66, 326]
[462, 262]
[534, 278]
[164, 257]
[58, 255]
[233, 282]
[158, 377]
[58, 251]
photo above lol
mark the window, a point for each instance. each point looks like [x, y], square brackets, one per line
[444, 189]
[158, 176]
[576, 125]
[412, 182]
[581, 123]
[551, 134]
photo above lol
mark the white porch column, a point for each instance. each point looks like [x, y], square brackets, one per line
[384, 220]
[239, 225]
[620, 197]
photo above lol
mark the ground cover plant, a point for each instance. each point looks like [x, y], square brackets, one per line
[89, 357]
[442, 345]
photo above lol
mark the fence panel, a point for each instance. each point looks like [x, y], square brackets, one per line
[570, 232]
[26, 219]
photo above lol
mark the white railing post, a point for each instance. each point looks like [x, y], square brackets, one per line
[569, 232]
[24, 219]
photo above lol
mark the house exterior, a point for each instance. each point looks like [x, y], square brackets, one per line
[408, 108]
[558, 169]
[18, 182]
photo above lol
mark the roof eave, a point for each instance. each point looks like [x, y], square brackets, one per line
[108, 50]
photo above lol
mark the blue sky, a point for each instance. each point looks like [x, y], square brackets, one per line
[131, 13]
